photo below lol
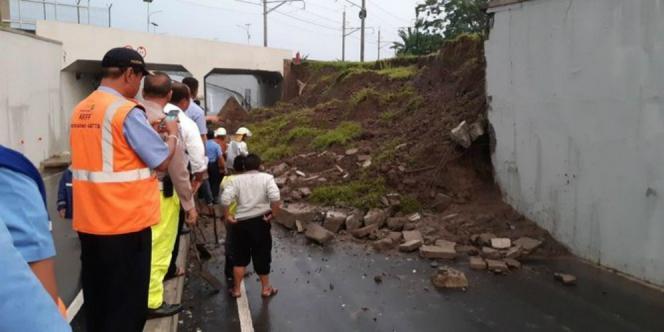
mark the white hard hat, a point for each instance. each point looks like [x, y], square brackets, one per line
[220, 132]
[243, 131]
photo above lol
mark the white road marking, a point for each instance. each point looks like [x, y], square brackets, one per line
[243, 310]
[75, 306]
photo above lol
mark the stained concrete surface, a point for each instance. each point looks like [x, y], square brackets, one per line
[333, 289]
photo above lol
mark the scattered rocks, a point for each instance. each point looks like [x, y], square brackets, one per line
[409, 227]
[449, 278]
[442, 252]
[415, 217]
[527, 243]
[491, 253]
[383, 244]
[363, 157]
[318, 234]
[512, 263]
[412, 235]
[410, 246]
[300, 173]
[565, 279]
[460, 135]
[395, 236]
[467, 250]
[514, 252]
[496, 266]
[351, 152]
[483, 239]
[396, 223]
[364, 231]
[334, 220]
[280, 169]
[354, 221]
[299, 226]
[477, 263]
[375, 217]
[441, 202]
[288, 223]
[366, 163]
[305, 191]
[501, 243]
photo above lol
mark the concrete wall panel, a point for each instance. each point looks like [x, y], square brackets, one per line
[577, 104]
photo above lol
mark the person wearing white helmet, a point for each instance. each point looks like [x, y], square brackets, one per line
[238, 146]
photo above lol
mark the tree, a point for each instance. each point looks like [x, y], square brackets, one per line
[414, 42]
[451, 18]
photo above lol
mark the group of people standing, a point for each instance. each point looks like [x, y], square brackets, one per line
[136, 169]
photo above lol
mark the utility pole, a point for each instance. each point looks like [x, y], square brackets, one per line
[78, 11]
[363, 15]
[343, 37]
[378, 58]
[267, 10]
[109, 14]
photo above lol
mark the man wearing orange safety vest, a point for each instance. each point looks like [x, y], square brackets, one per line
[114, 152]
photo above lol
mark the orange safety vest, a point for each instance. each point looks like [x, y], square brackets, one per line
[114, 190]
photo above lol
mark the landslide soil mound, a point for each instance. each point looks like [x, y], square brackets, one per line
[378, 135]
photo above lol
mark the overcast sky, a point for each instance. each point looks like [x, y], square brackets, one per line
[314, 28]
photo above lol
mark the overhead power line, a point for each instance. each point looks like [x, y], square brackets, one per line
[377, 6]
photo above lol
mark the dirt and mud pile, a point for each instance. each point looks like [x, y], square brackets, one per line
[232, 114]
[363, 140]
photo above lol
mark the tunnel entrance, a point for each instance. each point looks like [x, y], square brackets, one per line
[251, 88]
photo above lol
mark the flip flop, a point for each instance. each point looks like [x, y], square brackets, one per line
[270, 292]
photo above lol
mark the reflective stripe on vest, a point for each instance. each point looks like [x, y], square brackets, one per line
[107, 175]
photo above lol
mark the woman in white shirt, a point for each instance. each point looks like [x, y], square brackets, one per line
[237, 146]
[257, 197]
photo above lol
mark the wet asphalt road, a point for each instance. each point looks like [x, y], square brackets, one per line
[333, 289]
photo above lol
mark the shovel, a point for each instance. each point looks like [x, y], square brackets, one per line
[200, 250]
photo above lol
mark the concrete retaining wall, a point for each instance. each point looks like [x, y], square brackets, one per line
[31, 119]
[576, 91]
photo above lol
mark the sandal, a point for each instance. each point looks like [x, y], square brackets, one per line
[269, 292]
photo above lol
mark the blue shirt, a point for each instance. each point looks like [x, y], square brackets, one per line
[197, 114]
[25, 305]
[25, 216]
[142, 138]
[213, 151]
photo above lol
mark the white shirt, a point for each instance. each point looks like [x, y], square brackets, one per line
[253, 191]
[235, 149]
[192, 140]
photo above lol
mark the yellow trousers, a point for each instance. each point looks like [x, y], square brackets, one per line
[163, 240]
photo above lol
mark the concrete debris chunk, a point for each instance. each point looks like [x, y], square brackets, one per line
[366, 163]
[412, 235]
[501, 243]
[447, 252]
[396, 223]
[305, 191]
[375, 216]
[288, 223]
[299, 226]
[318, 234]
[460, 135]
[351, 152]
[449, 278]
[281, 181]
[514, 252]
[512, 263]
[280, 169]
[565, 279]
[363, 157]
[467, 250]
[334, 220]
[489, 252]
[441, 202]
[383, 244]
[445, 243]
[415, 217]
[476, 130]
[477, 263]
[300, 173]
[364, 231]
[396, 236]
[527, 243]
[497, 266]
[410, 246]
[354, 221]
[483, 239]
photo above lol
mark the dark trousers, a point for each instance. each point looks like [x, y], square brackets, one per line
[250, 240]
[115, 271]
[173, 268]
[215, 180]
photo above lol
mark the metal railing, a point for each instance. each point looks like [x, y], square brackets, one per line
[24, 14]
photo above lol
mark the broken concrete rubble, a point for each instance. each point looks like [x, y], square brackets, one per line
[280, 169]
[442, 252]
[512, 263]
[447, 278]
[412, 235]
[364, 231]
[497, 266]
[354, 221]
[477, 263]
[527, 243]
[460, 135]
[396, 223]
[375, 217]
[384, 244]
[318, 234]
[334, 220]
[410, 246]
[501, 243]
[299, 226]
[565, 279]
[483, 239]
[467, 250]
[489, 252]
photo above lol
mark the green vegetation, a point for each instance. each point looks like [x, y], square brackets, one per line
[362, 194]
[268, 139]
[386, 152]
[300, 132]
[399, 73]
[410, 204]
[344, 133]
[362, 95]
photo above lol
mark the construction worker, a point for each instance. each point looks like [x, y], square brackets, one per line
[156, 94]
[26, 250]
[238, 145]
[114, 150]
